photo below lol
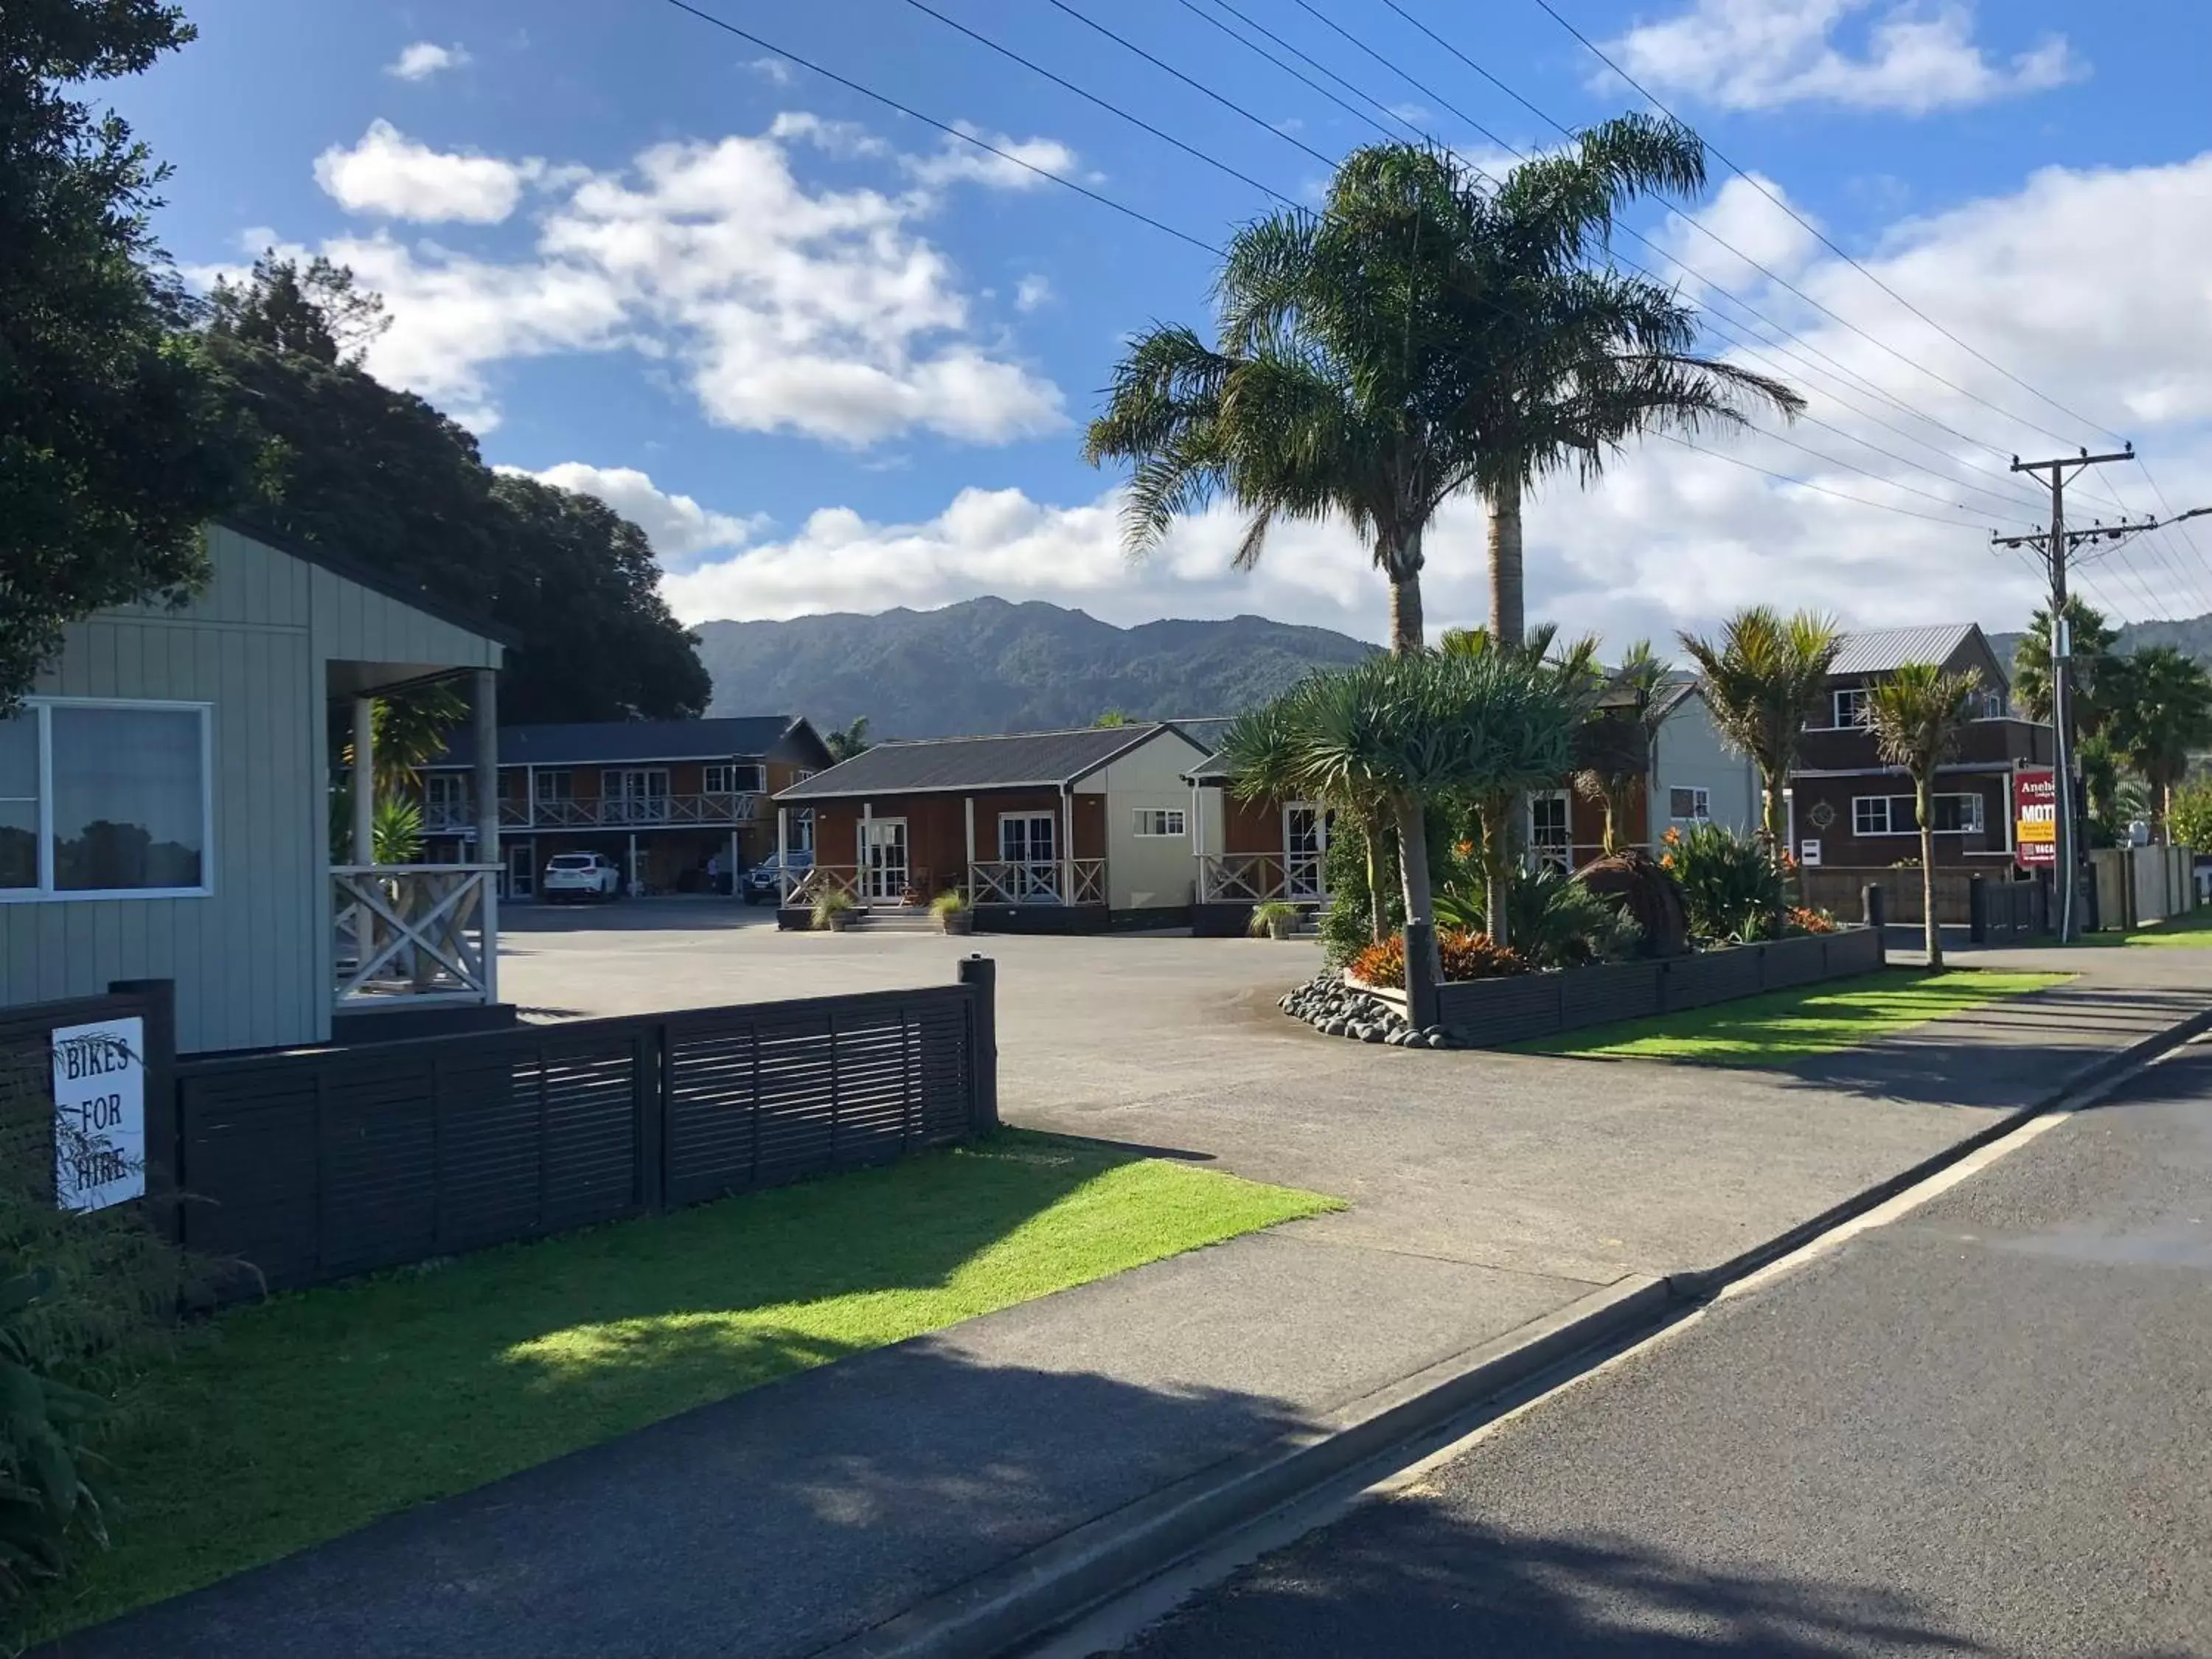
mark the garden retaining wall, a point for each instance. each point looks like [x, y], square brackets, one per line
[1491, 1012]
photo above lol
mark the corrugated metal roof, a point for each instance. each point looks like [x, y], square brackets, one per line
[927, 765]
[590, 742]
[1884, 650]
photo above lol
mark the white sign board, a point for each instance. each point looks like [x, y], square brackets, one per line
[1808, 855]
[99, 1113]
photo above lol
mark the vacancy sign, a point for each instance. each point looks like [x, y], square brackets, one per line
[99, 1113]
[2035, 836]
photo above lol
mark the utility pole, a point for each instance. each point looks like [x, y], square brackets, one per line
[2059, 543]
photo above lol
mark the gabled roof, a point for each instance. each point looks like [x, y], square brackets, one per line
[1886, 650]
[593, 743]
[377, 580]
[1015, 761]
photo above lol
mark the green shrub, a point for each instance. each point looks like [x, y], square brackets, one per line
[1347, 925]
[833, 901]
[1729, 884]
[1466, 956]
[1265, 917]
[950, 902]
[88, 1301]
[2189, 820]
[1553, 920]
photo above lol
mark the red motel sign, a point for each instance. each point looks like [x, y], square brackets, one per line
[2035, 833]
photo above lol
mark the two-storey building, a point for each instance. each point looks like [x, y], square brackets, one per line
[679, 805]
[1847, 808]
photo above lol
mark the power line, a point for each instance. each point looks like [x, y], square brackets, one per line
[888, 102]
[1756, 185]
[1806, 483]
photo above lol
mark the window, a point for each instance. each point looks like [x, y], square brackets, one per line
[445, 799]
[1991, 704]
[634, 794]
[1848, 705]
[1160, 821]
[735, 778]
[801, 831]
[1689, 806]
[1550, 837]
[102, 798]
[1957, 814]
[556, 786]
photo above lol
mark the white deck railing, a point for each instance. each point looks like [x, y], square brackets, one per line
[1256, 878]
[1037, 881]
[416, 931]
[615, 812]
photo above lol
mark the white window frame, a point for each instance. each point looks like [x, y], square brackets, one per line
[1901, 813]
[728, 771]
[1161, 821]
[1701, 802]
[542, 780]
[1836, 721]
[1562, 852]
[45, 892]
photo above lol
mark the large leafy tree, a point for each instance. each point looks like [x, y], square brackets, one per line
[1392, 736]
[115, 447]
[1765, 676]
[1424, 334]
[1918, 715]
[2158, 708]
[382, 475]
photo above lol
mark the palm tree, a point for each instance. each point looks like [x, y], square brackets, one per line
[848, 741]
[2158, 707]
[2091, 647]
[1765, 678]
[1392, 735]
[1918, 715]
[1569, 363]
[1572, 670]
[1421, 336]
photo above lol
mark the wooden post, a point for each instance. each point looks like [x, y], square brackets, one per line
[1066, 844]
[1198, 841]
[968, 876]
[981, 974]
[487, 784]
[782, 856]
[364, 780]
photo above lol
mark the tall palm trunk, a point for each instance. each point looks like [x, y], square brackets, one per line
[1508, 620]
[1930, 930]
[1399, 556]
[1496, 812]
[1413, 868]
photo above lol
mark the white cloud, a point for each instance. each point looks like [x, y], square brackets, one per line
[1032, 291]
[772, 68]
[679, 529]
[424, 60]
[1765, 54]
[1673, 538]
[389, 174]
[820, 311]
[1020, 164]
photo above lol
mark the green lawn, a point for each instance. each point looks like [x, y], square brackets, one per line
[2193, 929]
[301, 1418]
[1783, 1026]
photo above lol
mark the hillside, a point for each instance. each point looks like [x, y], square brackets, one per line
[2193, 635]
[987, 664]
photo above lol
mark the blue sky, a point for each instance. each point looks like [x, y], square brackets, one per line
[833, 359]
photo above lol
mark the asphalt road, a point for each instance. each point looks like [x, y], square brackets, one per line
[1985, 1428]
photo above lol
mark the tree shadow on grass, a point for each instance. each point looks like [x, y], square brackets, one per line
[291, 1421]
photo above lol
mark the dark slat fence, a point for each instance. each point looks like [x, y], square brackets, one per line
[313, 1165]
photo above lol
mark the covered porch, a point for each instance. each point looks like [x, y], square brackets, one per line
[410, 936]
[1253, 851]
[1012, 848]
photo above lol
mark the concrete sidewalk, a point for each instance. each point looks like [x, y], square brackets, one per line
[1490, 1191]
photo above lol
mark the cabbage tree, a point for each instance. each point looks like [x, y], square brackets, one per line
[1390, 736]
[1918, 715]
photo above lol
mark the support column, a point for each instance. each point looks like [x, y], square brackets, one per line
[486, 786]
[1067, 845]
[782, 856]
[1198, 841]
[631, 874]
[733, 862]
[860, 874]
[364, 780]
[968, 875]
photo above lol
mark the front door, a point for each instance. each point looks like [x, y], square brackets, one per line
[521, 869]
[635, 794]
[1030, 843]
[883, 859]
[1306, 845]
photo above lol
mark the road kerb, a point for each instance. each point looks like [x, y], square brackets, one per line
[1058, 1581]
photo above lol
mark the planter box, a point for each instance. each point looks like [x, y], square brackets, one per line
[1492, 1012]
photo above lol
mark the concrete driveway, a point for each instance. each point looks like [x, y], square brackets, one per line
[1571, 1169]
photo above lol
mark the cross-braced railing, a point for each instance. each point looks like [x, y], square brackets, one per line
[802, 887]
[1037, 881]
[415, 930]
[1256, 878]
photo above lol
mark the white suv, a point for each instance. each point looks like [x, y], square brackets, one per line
[573, 877]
